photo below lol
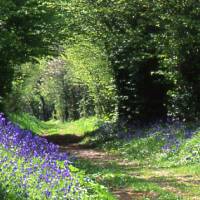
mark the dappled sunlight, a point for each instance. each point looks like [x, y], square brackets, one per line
[130, 171]
[128, 168]
[99, 99]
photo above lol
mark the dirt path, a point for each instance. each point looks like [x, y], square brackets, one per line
[125, 175]
[97, 157]
[162, 177]
[103, 159]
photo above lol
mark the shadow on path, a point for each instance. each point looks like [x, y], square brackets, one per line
[64, 140]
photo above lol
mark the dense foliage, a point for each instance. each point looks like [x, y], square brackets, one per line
[133, 59]
[128, 63]
[27, 30]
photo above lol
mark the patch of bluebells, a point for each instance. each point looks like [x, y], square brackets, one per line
[33, 168]
[25, 144]
[171, 132]
[173, 135]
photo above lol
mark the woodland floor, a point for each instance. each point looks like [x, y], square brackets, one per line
[121, 176]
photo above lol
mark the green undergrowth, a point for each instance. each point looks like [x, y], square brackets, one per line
[151, 150]
[52, 127]
[150, 166]
[156, 149]
[153, 166]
